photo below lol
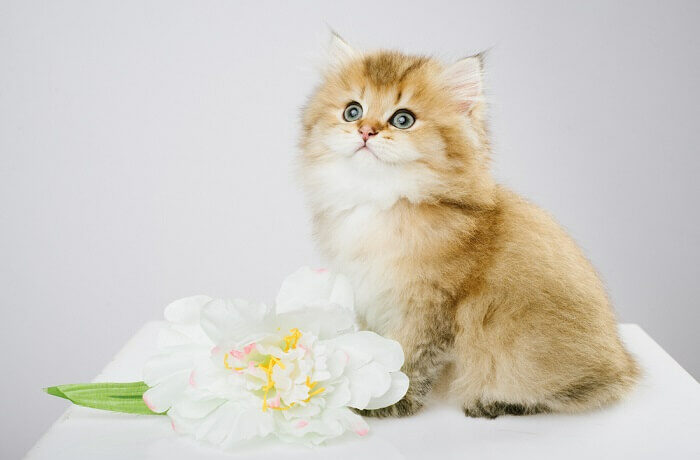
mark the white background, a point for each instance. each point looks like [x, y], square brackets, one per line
[146, 153]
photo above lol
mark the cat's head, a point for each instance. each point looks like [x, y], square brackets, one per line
[385, 126]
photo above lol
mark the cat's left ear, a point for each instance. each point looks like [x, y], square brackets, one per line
[465, 79]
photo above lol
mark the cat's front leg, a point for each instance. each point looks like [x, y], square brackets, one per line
[426, 344]
[421, 380]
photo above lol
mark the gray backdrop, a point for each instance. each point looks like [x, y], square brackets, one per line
[146, 151]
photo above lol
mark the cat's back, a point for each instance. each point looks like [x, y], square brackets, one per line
[535, 257]
[529, 235]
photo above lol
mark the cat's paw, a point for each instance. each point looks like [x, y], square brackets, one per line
[494, 409]
[403, 408]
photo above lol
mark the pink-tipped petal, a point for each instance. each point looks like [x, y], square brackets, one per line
[248, 348]
[148, 403]
[236, 354]
[193, 383]
[362, 431]
[302, 423]
[274, 402]
[320, 270]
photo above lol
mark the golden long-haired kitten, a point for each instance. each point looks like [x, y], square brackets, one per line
[456, 268]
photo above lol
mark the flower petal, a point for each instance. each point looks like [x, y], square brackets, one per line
[232, 422]
[336, 363]
[169, 337]
[396, 391]
[369, 381]
[313, 288]
[231, 320]
[340, 396]
[325, 323]
[162, 396]
[186, 311]
[385, 351]
[351, 421]
[342, 294]
[163, 366]
[194, 409]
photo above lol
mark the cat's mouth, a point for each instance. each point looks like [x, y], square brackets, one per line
[363, 149]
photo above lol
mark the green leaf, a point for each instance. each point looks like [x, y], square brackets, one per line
[116, 397]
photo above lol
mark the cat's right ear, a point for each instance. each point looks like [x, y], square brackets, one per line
[339, 52]
[465, 79]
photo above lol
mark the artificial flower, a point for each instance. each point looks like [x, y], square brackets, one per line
[232, 370]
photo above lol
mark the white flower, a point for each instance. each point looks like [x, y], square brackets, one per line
[232, 370]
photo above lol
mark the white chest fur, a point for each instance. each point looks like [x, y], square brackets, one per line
[362, 244]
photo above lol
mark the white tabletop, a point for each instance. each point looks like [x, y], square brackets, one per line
[659, 420]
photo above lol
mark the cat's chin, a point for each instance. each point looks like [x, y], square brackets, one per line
[367, 158]
[365, 151]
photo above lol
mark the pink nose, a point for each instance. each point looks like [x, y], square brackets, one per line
[366, 131]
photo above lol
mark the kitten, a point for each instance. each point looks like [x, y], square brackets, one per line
[456, 268]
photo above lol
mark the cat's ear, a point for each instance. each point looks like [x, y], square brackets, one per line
[339, 51]
[465, 79]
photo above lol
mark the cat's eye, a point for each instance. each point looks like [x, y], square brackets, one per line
[402, 119]
[352, 112]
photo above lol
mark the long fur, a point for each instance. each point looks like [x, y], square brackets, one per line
[461, 271]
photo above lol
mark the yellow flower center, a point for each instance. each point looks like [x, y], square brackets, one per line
[290, 343]
[291, 340]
